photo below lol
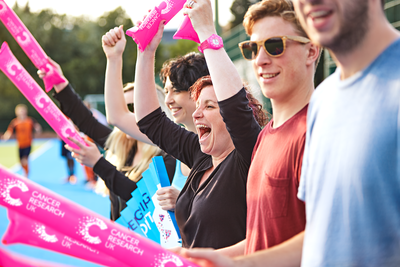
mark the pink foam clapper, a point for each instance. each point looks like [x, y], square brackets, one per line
[35, 95]
[186, 31]
[145, 32]
[12, 259]
[83, 225]
[23, 230]
[30, 46]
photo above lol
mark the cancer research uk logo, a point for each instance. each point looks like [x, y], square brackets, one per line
[162, 259]
[5, 188]
[85, 224]
[40, 230]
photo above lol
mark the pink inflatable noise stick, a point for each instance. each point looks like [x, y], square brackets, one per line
[11, 259]
[68, 218]
[35, 95]
[24, 230]
[30, 46]
[145, 32]
[186, 31]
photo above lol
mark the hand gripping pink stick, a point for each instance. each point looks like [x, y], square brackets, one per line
[46, 207]
[35, 95]
[166, 10]
[30, 46]
[24, 230]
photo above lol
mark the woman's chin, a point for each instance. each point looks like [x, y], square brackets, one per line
[205, 150]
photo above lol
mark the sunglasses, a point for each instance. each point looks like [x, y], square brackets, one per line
[273, 46]
[130, 107]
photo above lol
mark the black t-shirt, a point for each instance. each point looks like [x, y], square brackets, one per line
[213, 215]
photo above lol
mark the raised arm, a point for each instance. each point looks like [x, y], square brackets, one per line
[74, 108]
[225, 78]
[145, 93]
[116, 110]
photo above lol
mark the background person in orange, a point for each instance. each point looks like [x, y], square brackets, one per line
[23, 127]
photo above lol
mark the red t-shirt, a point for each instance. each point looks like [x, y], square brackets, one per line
[274, 213]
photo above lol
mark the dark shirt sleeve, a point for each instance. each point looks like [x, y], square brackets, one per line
[120, 184]
[115, 181]
[170, 137]
[74, 108]
[240, 123]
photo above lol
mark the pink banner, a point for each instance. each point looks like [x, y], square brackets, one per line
[11, 259]
[29, 44]
[35, 95]
[66, 217]
[23, 230]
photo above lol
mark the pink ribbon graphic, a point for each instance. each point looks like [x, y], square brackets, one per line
[30, 46]
[13, 69]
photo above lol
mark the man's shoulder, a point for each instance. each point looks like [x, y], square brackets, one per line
[387, 63]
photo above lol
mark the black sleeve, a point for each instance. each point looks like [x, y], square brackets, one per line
[240, 123]
[115, 181]
[74, 108]
[170, 137]
[170, 164]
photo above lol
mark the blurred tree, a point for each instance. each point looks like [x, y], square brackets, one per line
[75, 44]
[238, 10]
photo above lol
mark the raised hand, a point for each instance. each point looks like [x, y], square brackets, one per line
[152, 46]
[114, 42]
[58, 87]
[201, 15]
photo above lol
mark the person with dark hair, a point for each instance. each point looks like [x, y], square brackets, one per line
[177, 74]
[211, 208]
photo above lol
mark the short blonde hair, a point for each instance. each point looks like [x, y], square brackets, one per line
[270, 8]
[19, 106]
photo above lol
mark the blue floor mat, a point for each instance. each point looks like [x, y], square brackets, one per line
[49, 169]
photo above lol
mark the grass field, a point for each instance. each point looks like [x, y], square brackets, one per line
[9, 151]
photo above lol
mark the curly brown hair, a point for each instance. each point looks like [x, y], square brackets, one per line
[183, 71]
[259, 113]
[269, 8]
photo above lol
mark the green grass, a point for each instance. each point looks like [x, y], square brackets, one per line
[9, 152]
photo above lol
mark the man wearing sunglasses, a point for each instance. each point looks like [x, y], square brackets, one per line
[350, 178]
[284, 62]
